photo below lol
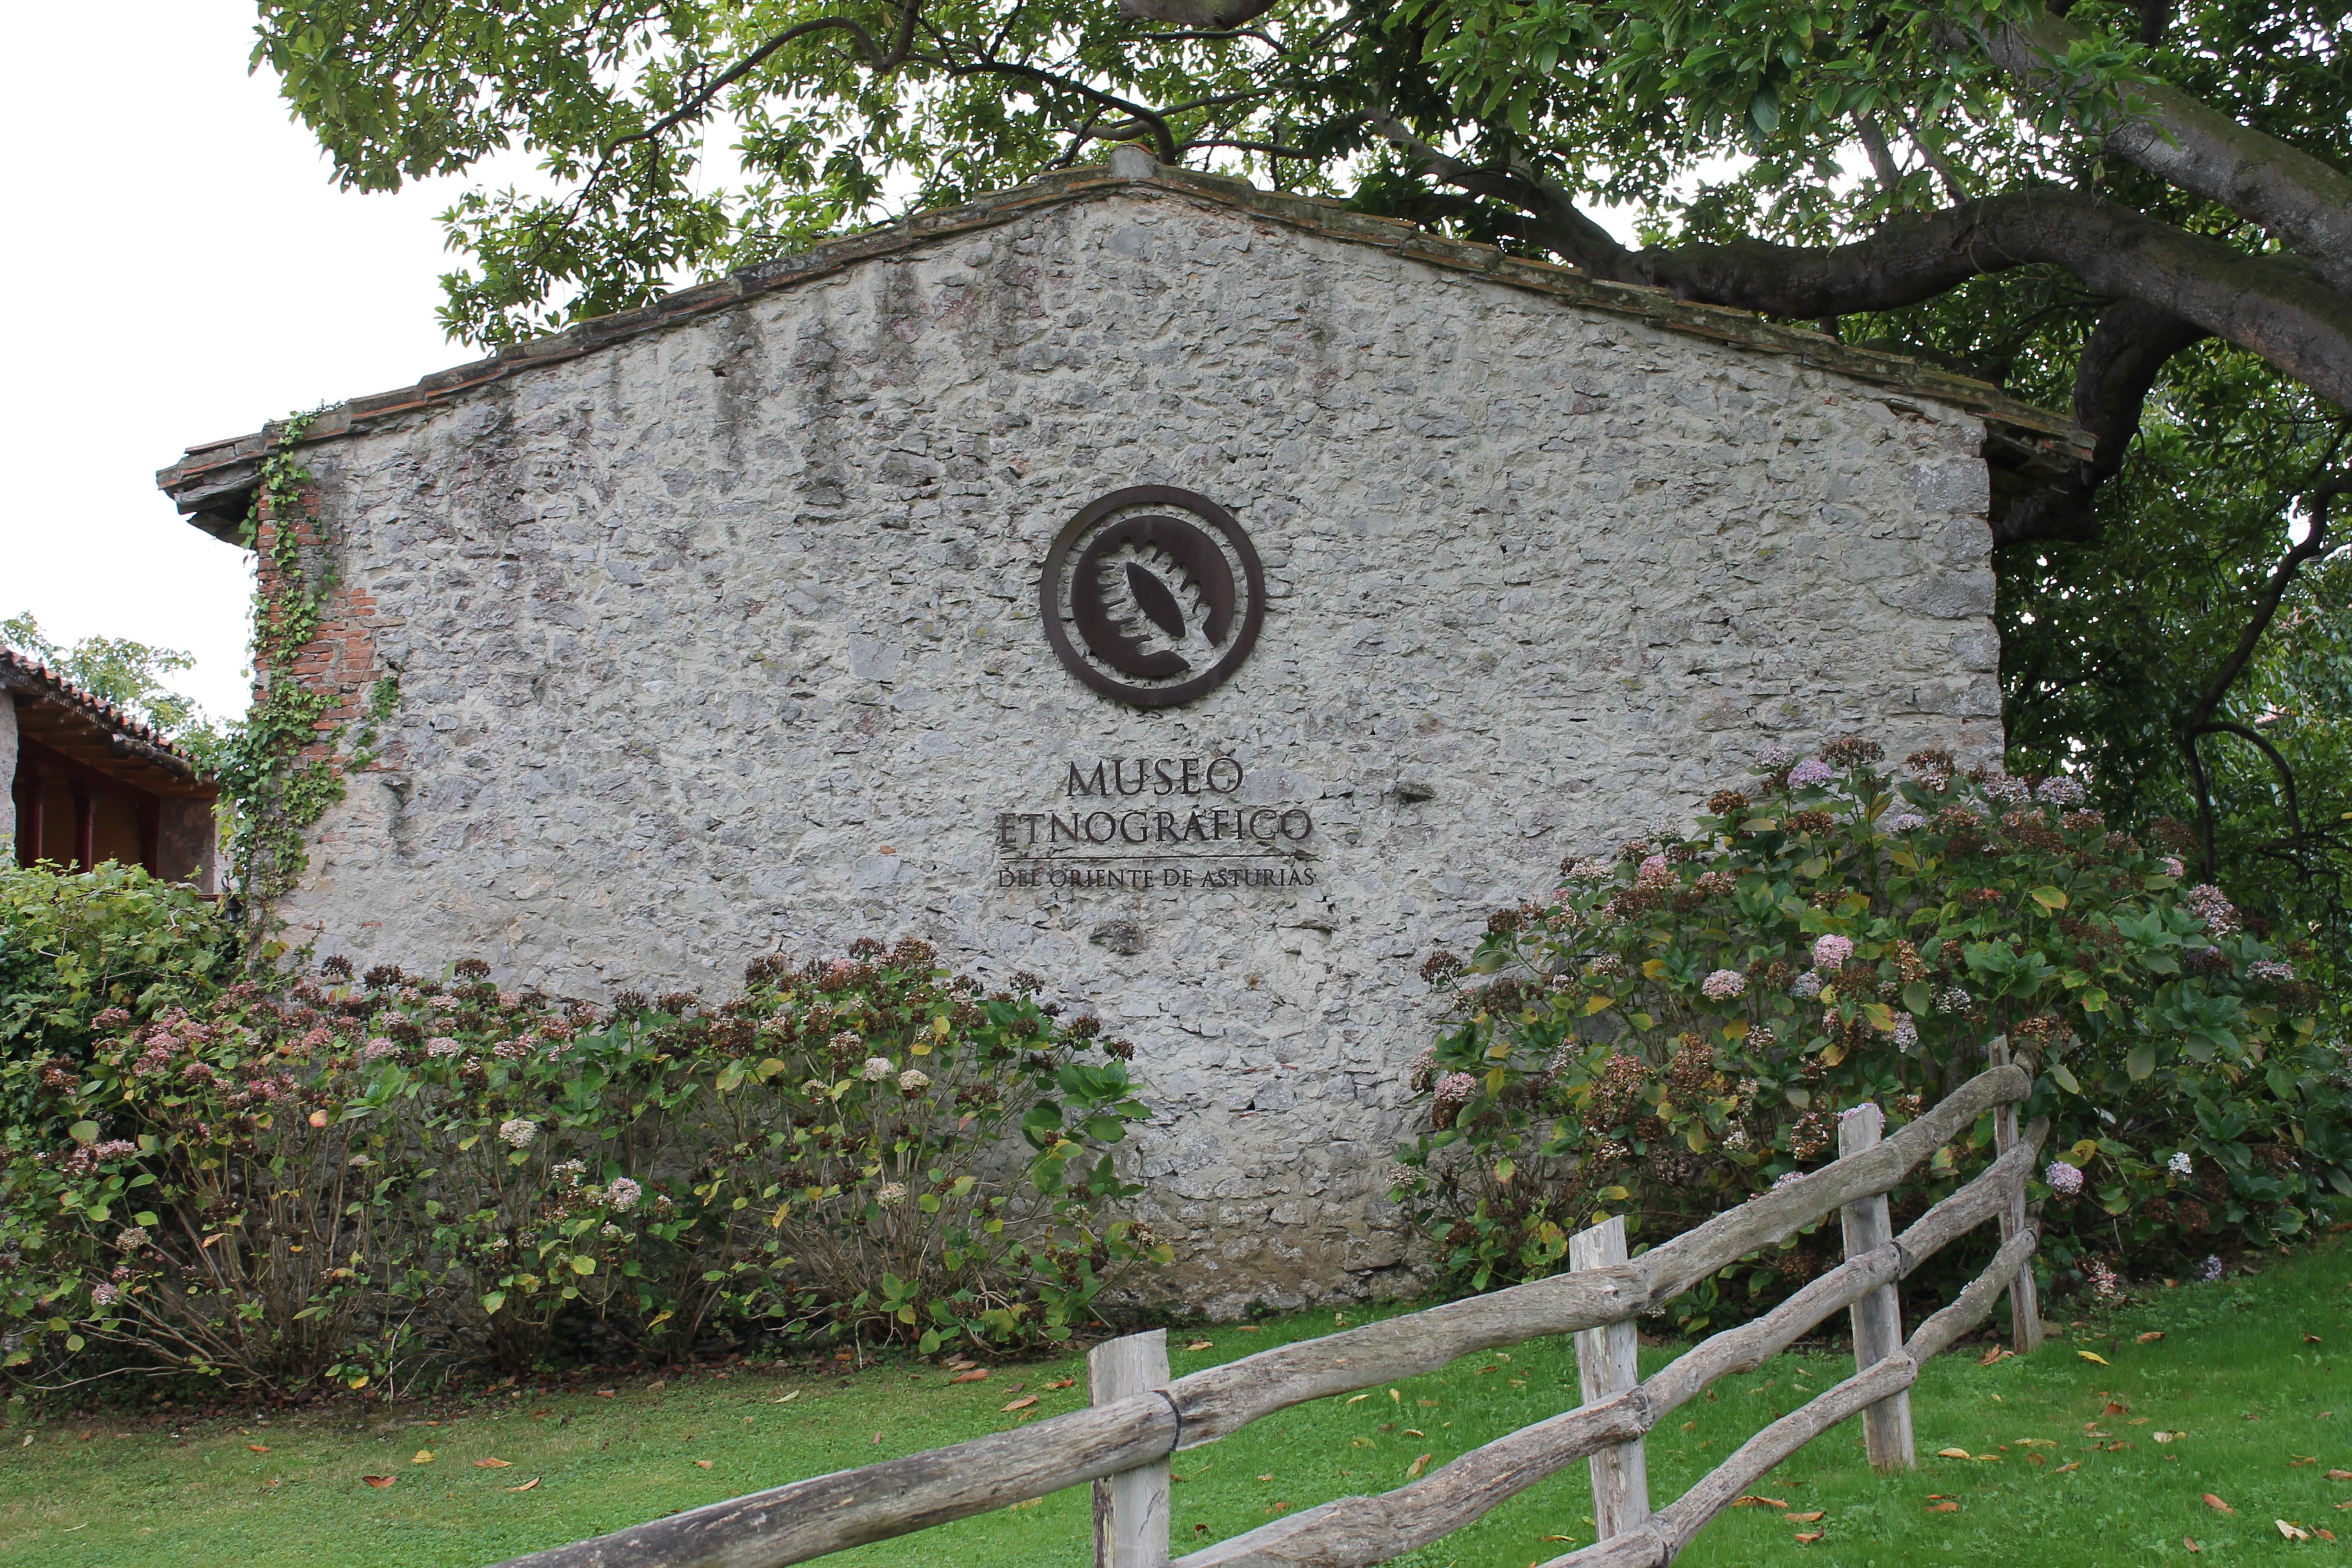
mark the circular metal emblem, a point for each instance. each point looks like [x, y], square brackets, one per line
[1152, 596]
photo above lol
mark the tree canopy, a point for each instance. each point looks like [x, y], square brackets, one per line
[2140, 210]
[133, 676]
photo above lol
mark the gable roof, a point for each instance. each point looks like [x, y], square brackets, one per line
[95, 733]
[213, 483]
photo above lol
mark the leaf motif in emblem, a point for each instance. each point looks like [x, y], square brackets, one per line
[1152, 598]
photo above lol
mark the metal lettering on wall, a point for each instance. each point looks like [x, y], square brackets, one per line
[1194, 833]
[1152, 596]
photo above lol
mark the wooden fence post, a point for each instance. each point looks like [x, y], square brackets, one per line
[1131, 1506]
[1877, 1317]
[1607, 1365]
[2024, 1299]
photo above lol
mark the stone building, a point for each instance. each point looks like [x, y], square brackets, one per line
[87, 783]
[1208, 599]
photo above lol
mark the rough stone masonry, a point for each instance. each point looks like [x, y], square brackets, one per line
[717, 632]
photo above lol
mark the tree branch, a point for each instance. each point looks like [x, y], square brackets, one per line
[2180, 140]
[2286, 778]
[1203, 14]
[2120, 363]
[1882, 157]
[2272, 306]
[700, 100]
[2267, 605]
[2199, 720]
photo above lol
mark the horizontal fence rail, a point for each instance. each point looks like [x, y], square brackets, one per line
[809, 1519]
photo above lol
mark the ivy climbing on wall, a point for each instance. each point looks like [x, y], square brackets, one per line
[284, 767]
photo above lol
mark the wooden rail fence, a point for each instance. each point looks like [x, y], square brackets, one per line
[1138, 1416]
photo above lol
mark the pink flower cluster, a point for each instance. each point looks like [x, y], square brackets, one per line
[2060, 790]
[2212, 906]
[1723, 985]
[1831, 952]
[1811, 771]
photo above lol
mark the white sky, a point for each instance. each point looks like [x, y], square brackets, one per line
[183, 271]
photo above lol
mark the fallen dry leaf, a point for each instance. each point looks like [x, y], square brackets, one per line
[977, 1375]
[2292, 1531]
[1358, 1399]
[424, 1456]
[2216, 1505]
[1412, 1471]
[702, 1463]
[1202, 1345]
[1023, 1403]
[1807, 1537]
[2324, 1534]
[1751, 1499]
[2150, 1337]
[1804, 1518]
[1414, 1432]
[2339, 1475]
[1568, 1538]
[2093, 1355]
[2302, 1459]
[526, 1486]
[1953, 1454]
[606, 1393]
[2311, 1339]
[2191, 1542]
[379, 1482]
[1065, 1383]
[258, 1447]
[494, 1464]
[2069, 1465]
[1268, 1477]
[1946, 1507]
[1990, 1357]
[2168, 1436]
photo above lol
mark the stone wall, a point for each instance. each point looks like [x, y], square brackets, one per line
[8, 774]
[724, 638]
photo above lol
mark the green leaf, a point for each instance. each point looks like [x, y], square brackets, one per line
[582, 1263]
[82, 1133]
[2065, 1078]
[2140, 1062]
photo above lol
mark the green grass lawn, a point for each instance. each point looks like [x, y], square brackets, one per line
[2065, 1468]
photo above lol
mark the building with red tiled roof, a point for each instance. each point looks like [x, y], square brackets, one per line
[89, 783]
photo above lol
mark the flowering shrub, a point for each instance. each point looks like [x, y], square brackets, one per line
[1680, 1029]
[343, 1179]
[74, 944]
